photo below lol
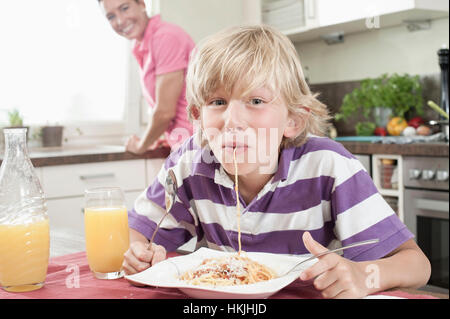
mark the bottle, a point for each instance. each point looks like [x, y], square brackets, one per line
[24, 224]
[443, 63]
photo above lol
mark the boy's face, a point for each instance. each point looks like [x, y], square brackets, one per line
[127, 17]
[254, 124]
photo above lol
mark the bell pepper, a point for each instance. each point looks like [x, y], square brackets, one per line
[380, 131]
[396, 125]
[416, 121]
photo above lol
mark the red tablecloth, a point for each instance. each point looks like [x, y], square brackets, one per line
[69, 277]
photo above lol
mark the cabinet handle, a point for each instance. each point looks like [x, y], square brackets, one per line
[95, 176]
[310, 9]
[433, 205]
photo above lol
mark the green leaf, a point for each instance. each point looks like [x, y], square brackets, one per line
[365, 128]
[401, 93]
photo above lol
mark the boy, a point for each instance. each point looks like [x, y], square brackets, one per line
[247, 93]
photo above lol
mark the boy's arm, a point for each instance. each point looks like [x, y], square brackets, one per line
[137, 236]
[338, 277]
[406, 266]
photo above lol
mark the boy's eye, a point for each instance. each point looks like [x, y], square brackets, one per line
[218, 102]
[124, 8]
[256, 101]
[110, 17]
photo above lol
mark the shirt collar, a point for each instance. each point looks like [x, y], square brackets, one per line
[140, 47]
[206, 164]
[283, 164]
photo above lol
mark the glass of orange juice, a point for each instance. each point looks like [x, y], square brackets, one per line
[106, 231]
[24, 253]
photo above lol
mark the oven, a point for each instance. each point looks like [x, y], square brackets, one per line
[426, 212]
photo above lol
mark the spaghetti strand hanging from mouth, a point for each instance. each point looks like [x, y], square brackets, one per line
[232, 270]
[236, 189]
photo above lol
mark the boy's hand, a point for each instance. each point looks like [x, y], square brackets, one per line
[333, 275]
[138, 257]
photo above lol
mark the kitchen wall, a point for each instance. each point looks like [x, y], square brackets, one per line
[332, 93]
[335, 70]
[377, 51]
[332, 70]
[201, 18]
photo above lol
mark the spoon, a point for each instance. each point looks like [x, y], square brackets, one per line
[171, 192]
[359, 243]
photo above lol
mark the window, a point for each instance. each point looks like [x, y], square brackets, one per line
[62, 63]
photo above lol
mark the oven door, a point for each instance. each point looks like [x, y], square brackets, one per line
[426, 215]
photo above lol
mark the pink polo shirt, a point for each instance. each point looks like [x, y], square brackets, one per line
[165, 48]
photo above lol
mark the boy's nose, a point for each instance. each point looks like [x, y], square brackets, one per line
[235, 115]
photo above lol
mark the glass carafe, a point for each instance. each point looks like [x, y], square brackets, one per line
[24, 224]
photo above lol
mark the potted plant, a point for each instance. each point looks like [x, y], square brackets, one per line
[379, 98]
[52, 135]
[15, 120]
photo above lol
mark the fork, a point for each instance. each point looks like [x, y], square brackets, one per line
[170, 195]
[359, 243]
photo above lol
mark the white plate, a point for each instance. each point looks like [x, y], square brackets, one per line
[382, 297]
[165, 274]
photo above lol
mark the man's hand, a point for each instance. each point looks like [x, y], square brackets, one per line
[134, 145]
[333, 275]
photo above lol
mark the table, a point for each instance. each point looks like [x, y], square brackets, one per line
[69, 277]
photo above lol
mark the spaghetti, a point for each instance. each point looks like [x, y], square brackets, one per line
[232, 270]
[228, 271]
[236, 189]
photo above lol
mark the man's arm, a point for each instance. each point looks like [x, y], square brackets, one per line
[168, 90]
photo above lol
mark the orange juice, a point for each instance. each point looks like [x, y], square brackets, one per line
[107, 237]
[24, 253]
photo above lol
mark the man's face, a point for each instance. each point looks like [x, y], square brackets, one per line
[128, 18]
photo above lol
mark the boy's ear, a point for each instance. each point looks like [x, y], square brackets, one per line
[195, 113]
[296, 124]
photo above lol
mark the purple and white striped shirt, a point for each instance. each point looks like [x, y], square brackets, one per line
[319, 187]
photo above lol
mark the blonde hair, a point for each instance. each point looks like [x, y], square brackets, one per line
[258, 56]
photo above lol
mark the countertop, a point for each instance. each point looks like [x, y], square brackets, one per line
[104, 153]
[87, 154]
[414, 149]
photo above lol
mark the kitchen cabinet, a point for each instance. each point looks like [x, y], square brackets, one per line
[152, 168]
[64, 187]
[72, 180]
[329, 18]
[388, 178]
[386, 172]
[200, 18]
[365, 161]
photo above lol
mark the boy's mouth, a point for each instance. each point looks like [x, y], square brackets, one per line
[230, 147]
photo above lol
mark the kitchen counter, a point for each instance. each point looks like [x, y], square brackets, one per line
[105, 153]
[414, 149]
[87, 154]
